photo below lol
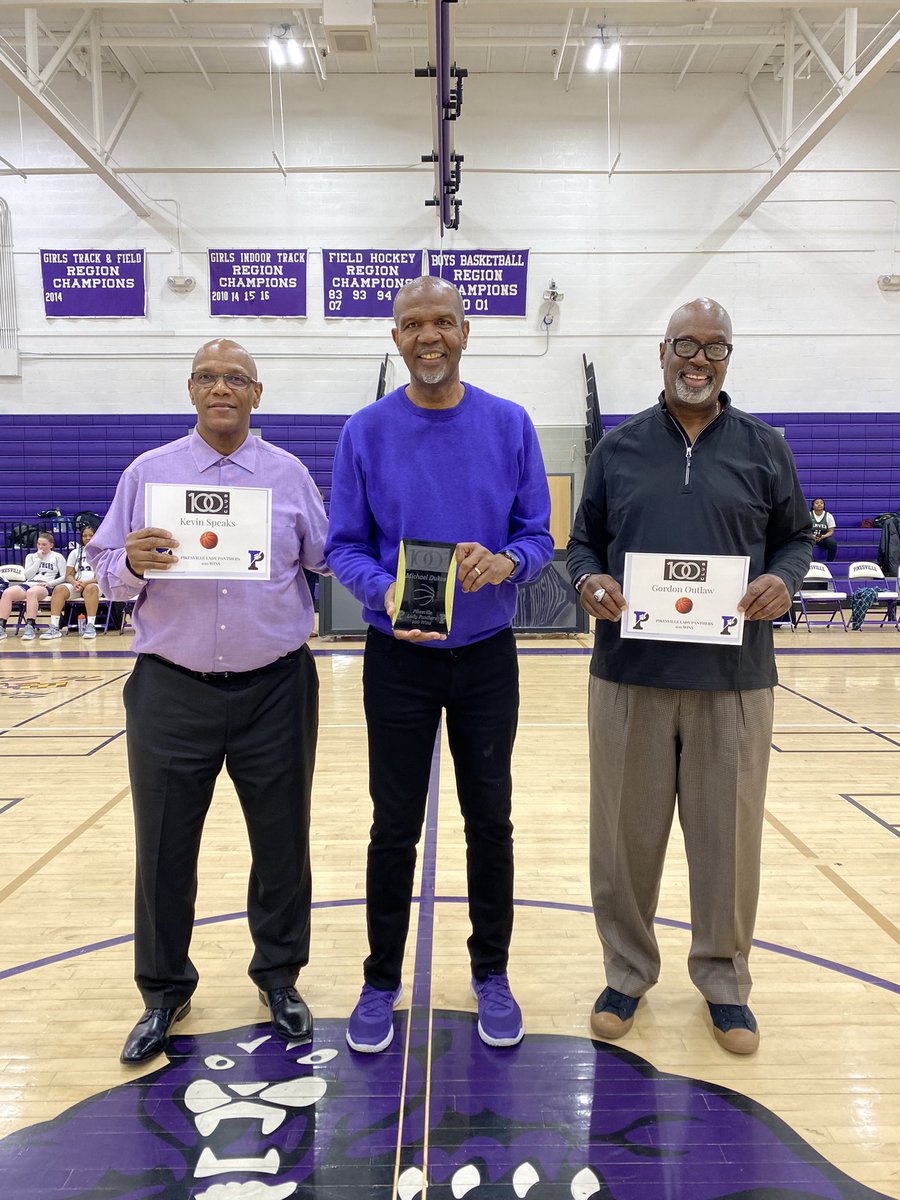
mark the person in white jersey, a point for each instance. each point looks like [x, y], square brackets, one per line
[44, 569]
[79, 584]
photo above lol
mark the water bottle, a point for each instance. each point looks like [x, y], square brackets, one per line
[82, 624]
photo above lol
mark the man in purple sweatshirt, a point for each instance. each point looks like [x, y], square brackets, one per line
[223, 677]
[441, 461]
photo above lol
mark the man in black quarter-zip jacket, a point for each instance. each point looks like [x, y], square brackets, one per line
[684, 721]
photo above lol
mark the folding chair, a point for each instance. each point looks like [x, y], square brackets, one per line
[826, 594]
[76, 602]
[14, 573]
[127, 610]
[869, 574]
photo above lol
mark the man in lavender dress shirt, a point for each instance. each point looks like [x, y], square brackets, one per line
[223, 677]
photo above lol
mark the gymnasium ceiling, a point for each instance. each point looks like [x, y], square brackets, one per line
[846, 50]
[672, 37]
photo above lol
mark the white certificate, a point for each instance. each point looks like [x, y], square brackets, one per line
[685, 597]
[224, 532]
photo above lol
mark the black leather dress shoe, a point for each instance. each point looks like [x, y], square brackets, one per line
[290, 1016]
[149, 1036]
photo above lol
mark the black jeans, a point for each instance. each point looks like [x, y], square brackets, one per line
[405, 687]
[181, 729]
[830, 546]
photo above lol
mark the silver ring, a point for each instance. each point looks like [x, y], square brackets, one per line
[598, 595]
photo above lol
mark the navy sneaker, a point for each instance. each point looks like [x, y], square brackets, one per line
[499, 1017]
[613, 1014]
[734, 1027]
[371, 1025]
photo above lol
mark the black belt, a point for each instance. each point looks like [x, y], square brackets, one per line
[236, 676]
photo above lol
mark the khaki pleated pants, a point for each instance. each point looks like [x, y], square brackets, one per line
[709, 752]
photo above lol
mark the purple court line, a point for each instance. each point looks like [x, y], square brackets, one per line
[10, 804]
[421, 992]
[546, 651]
[894, 829]
[125, 938]
[835, 650]
[84, 754]
[102, 745]
[671, 923]
[835, 713]
[558, 905]
[81, 696]
[53, 656]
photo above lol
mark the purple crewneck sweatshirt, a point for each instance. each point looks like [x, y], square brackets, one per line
[472, 473]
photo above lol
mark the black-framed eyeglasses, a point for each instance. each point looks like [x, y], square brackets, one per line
[687, 347]
[237, 383]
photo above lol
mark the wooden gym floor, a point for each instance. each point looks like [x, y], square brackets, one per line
[232, 1114]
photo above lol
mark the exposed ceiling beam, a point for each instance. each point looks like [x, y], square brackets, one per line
[851, 29]
[64, 51]
[124, 117]
[764, 123]
[759, 59]
[131, 65]
[96, 61]
[819, 50]
[689, 37]
[863, 83]
[13, 77]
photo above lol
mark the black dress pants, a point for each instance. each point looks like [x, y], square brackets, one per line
[405, 688]
[181, 730]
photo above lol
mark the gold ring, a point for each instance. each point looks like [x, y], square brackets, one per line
[477, 572]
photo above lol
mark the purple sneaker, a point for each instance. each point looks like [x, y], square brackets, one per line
[499, 1017]
[371, 1025]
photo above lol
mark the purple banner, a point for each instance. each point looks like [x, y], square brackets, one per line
[257, 283]
[93, 283]
[492, 283]
[363, 283]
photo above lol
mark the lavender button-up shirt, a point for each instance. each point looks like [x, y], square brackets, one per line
[218, 624]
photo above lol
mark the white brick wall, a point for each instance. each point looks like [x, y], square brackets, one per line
[812, 330]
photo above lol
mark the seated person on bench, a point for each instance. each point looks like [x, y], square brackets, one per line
[44, 569]
[823, 528]
[79, 585]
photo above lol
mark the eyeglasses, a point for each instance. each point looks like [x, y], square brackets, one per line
[237, 383]
[686, 347]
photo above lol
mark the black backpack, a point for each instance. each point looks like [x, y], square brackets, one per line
[23, 536]
[82, 519]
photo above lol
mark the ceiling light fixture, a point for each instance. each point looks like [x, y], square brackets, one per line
[612, 53]
[603, 54]
[594, 55]
[284, 47]
[277, 52]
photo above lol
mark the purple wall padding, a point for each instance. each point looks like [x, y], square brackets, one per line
[851, 460]
[74, 463]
